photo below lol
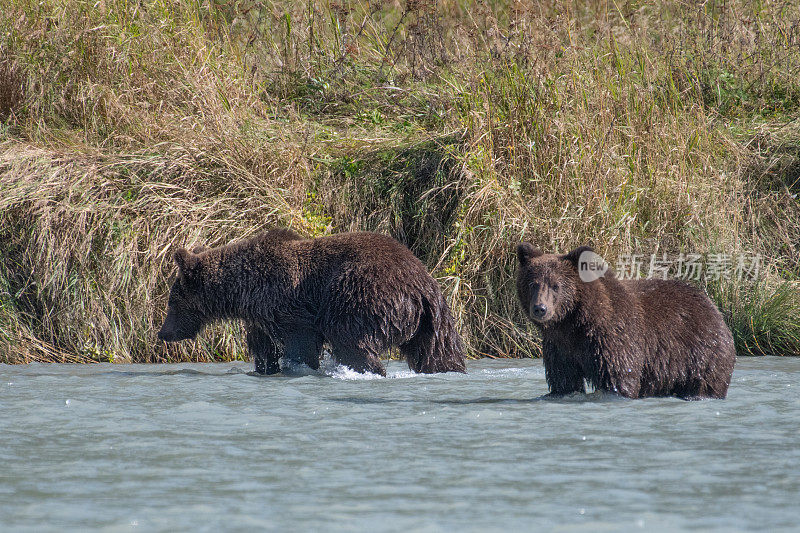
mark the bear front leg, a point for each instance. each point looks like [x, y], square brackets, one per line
[263, 350]
[621, 373]
[563, 375]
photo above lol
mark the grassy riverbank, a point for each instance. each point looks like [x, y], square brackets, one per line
[129, 128]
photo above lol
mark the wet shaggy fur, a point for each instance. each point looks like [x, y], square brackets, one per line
[637, 338]
[361, 292]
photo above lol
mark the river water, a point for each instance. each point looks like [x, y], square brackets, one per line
[206, 447]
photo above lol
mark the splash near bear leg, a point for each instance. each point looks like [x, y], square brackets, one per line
[359, 359]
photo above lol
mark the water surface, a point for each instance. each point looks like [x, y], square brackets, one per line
[206, 447]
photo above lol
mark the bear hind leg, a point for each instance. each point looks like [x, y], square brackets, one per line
[424, 356]
[436, 346]
[701, 390]
[359, 359]
[303, 346]
[415, 351]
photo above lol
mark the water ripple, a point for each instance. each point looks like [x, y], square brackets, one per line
[210, 447]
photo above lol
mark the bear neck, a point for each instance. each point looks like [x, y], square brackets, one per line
[241, 285]
[567, 325]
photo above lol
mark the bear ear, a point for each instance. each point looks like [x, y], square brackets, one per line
[526, 252]
[575, 254]
[199, 249]
[187, 261]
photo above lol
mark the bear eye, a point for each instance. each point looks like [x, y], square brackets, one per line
[555, 287]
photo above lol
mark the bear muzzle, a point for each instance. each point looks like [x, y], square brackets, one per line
[172, 332]
[167, 335]
[538, 311]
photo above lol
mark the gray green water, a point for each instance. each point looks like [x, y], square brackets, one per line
[205, 447]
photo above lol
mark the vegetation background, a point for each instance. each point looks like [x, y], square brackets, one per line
[131, 127]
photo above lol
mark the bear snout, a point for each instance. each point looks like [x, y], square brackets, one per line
[169, 329]
[175, 329]
[538, 311]
[166, 335]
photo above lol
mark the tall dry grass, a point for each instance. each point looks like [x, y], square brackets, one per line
[459, 127]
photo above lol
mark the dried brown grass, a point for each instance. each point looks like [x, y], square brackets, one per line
[459, 127]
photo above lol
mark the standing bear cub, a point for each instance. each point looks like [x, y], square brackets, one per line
[637, 338]
[361, 292]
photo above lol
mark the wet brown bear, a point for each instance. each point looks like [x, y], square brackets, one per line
[361, 292]
[637, 338]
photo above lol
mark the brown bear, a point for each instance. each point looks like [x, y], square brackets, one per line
[636, 338]
[361, 292]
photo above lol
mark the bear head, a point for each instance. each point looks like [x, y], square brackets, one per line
[548, 285]
[186, 312]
